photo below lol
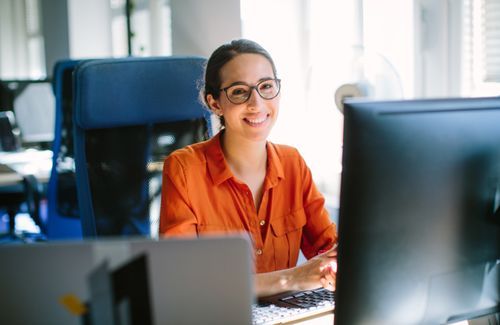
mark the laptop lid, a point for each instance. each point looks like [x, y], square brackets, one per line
[187, 281]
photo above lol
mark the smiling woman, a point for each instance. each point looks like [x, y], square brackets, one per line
[238, 181]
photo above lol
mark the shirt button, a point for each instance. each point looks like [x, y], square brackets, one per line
[262, 222]
[258, 252]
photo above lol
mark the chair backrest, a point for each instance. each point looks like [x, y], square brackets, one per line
[63, 219]
[130, 113]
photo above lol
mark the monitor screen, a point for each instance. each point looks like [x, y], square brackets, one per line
[34, 109]
[419, 219]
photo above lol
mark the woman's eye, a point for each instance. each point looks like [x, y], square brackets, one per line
[238, 91]
[267, 86]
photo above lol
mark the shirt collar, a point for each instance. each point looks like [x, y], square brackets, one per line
[274, 166]
[220, 171]
[217, 165]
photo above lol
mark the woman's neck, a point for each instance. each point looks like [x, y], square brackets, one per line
[244, 156]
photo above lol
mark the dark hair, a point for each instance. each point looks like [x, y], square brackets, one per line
[222, 55]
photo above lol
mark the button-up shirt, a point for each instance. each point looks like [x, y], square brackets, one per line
[200, 195]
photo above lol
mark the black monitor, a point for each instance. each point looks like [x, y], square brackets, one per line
[419, 219]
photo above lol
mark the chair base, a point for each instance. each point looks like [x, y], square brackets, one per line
[11, 236]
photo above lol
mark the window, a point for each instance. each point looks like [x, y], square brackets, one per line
[481, 48]
[150, 28]
[36, 57]
[313, 43]
[22, 47]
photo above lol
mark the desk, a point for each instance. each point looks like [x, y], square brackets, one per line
[20, 176]
[26, 162]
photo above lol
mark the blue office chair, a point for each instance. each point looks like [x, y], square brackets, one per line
[63, 217]
[130, 113]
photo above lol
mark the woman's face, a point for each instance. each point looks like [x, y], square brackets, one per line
[253, 119]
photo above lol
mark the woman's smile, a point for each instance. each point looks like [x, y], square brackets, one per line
[257, 121]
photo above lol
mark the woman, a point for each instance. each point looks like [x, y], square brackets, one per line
[238, 181]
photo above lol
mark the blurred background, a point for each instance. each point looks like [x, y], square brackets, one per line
[323, 49]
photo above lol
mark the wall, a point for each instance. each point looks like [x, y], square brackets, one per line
[55, 29]
[89, 28]
[199, 26]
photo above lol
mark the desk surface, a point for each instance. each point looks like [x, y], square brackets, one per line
[28, 162]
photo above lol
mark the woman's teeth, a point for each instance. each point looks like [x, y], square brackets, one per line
[257, 121]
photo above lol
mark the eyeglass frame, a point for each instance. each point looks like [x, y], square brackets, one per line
[277, 80]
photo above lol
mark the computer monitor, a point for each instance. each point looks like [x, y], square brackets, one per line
[33, 104]
[419, 219]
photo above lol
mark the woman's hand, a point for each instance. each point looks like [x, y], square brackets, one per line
[318, 271]
[329, 271]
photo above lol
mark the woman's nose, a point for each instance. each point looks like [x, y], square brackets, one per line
[254, 99]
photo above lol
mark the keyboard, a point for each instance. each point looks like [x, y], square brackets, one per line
[294, 306]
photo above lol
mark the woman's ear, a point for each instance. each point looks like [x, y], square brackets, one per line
[214, 105]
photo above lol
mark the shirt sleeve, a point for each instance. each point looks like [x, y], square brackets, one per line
[320, 232]
[176, 216]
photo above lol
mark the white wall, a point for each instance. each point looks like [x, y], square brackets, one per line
[389, 34]
[54, 16]
[89, 28]
[200, 26]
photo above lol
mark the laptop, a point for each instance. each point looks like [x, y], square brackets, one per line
[117, 281]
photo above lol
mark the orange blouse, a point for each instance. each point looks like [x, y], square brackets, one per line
[200, 195]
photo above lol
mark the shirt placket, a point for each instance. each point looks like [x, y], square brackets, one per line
[262, 220]
[253, 220]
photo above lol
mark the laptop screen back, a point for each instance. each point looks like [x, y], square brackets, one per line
[189, 281]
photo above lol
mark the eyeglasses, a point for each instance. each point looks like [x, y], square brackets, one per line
[240, 93]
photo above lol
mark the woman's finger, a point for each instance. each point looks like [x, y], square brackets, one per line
[328, 284]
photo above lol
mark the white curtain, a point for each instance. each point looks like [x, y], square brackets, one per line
[491, 17]
[481, 47]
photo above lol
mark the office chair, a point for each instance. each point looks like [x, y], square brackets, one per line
[63, 217]
[130, 113]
